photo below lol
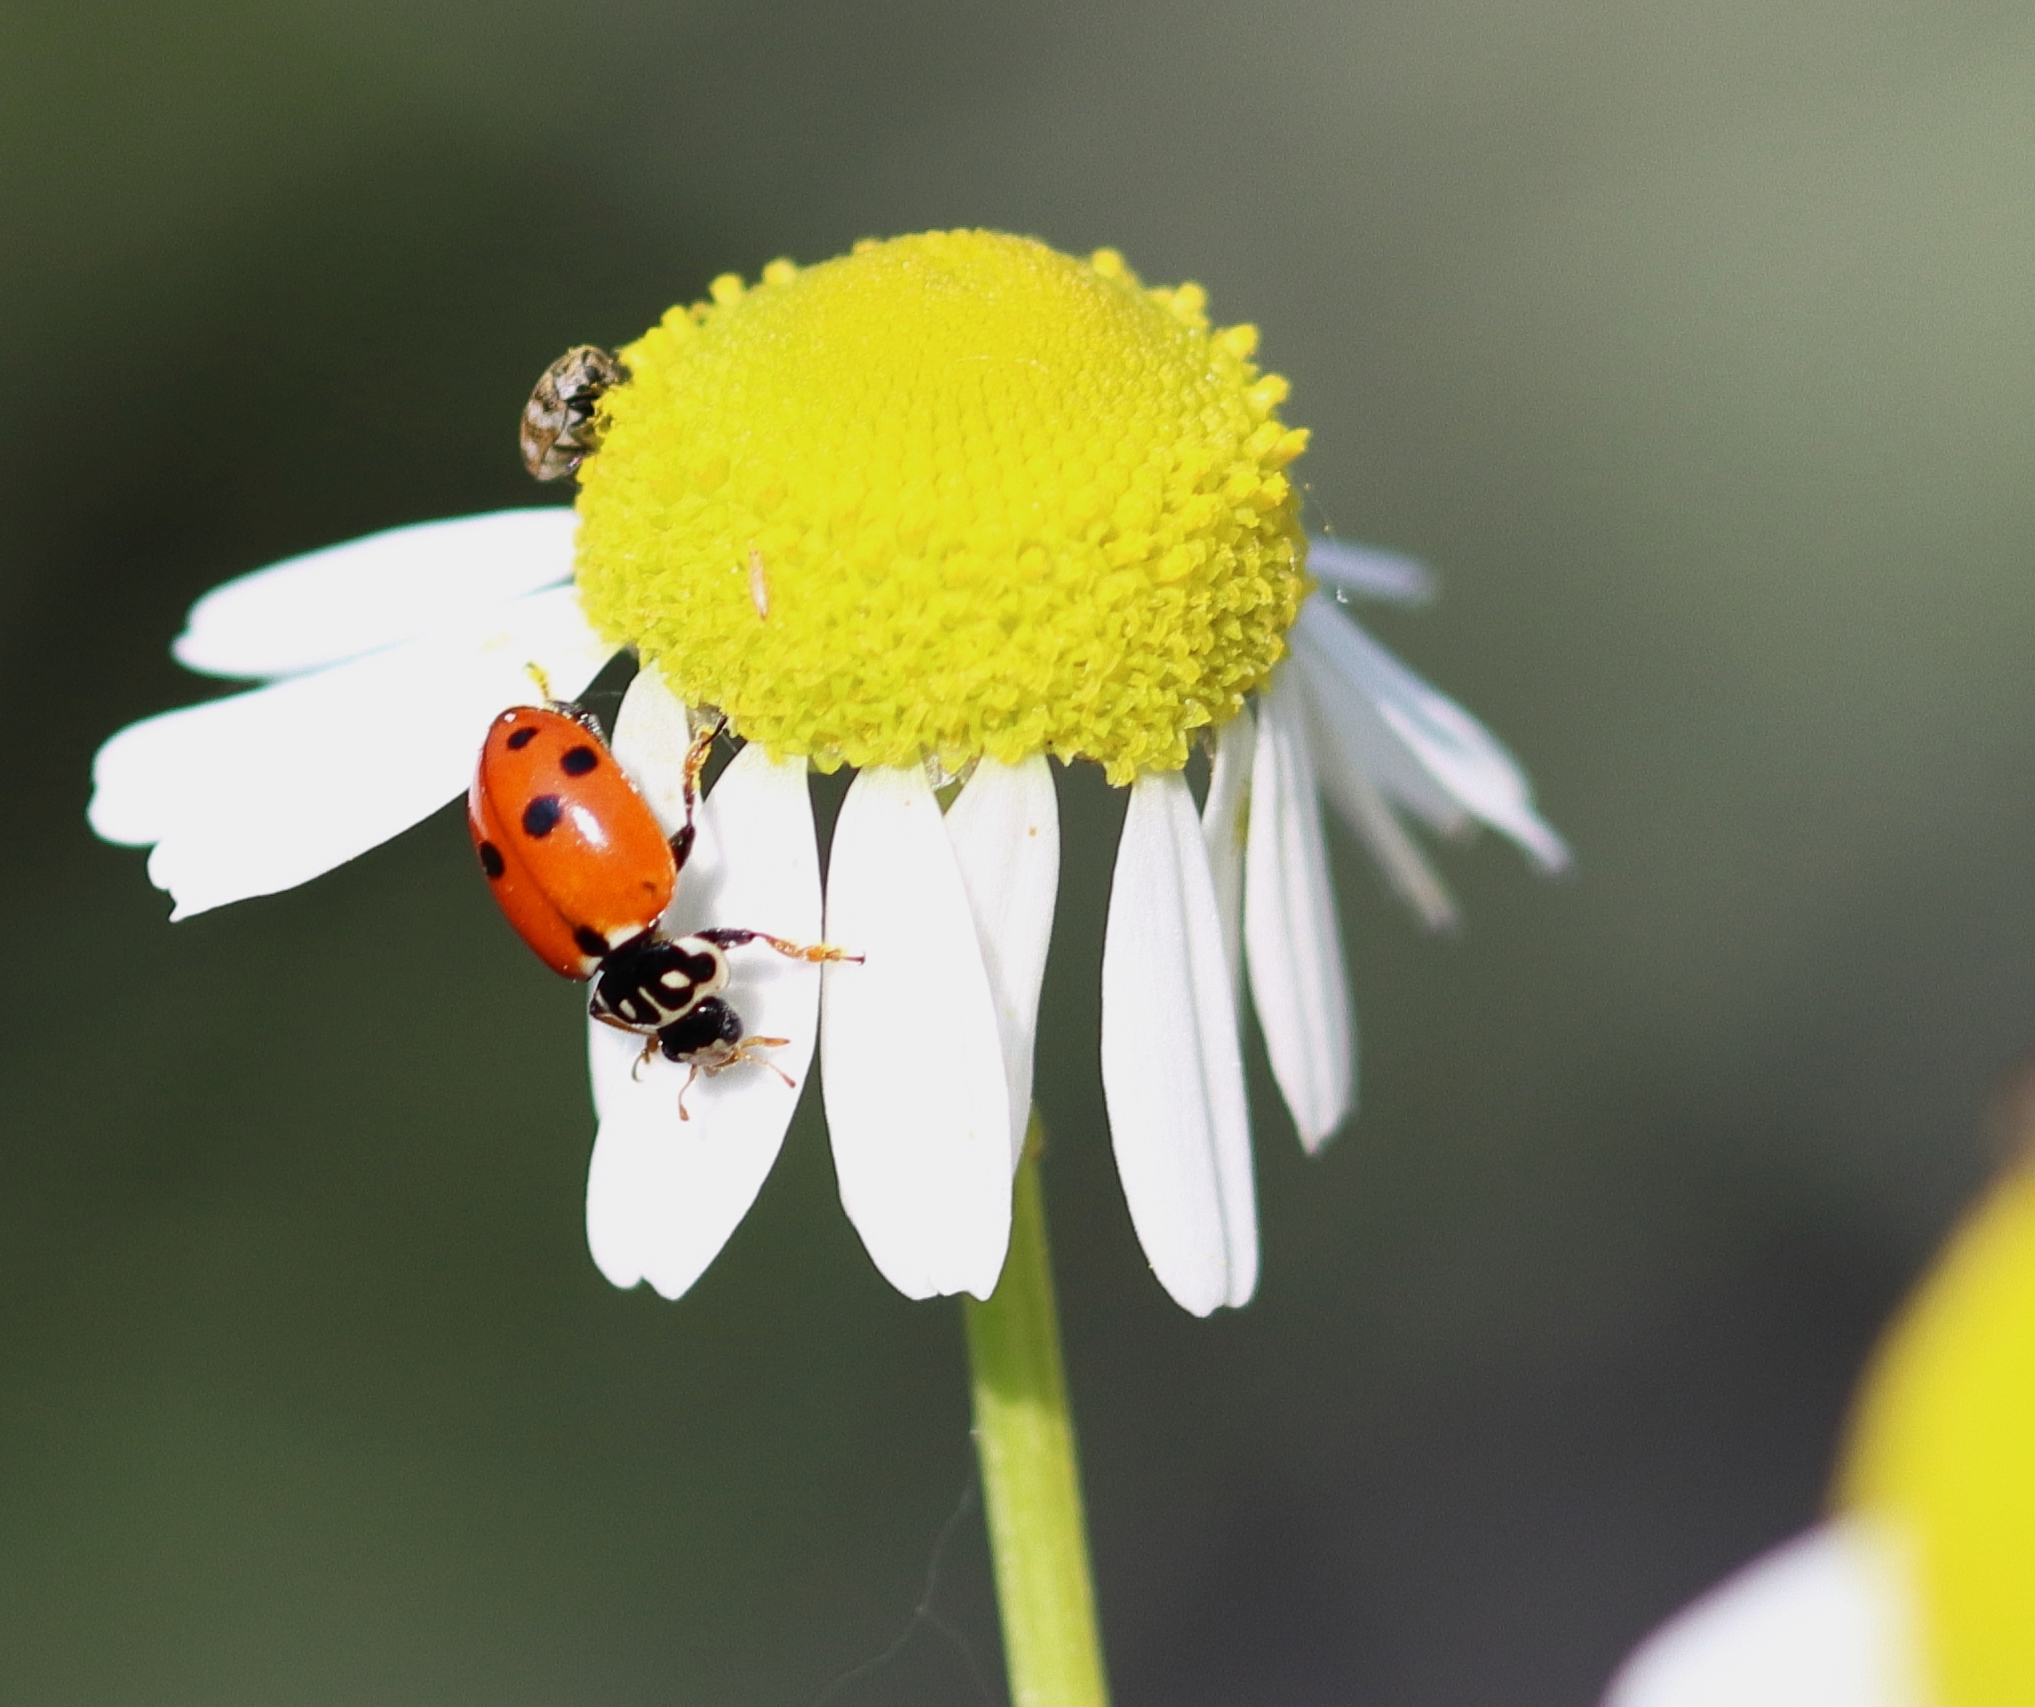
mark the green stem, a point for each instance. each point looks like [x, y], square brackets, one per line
[1031, 1484]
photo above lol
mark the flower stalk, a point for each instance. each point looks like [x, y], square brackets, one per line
[1031, 1482]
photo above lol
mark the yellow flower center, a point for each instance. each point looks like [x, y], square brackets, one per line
[951, 495]
[1943, 1450]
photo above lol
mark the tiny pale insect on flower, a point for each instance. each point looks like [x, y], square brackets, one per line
[944, 510]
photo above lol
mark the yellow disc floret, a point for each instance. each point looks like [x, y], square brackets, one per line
[950, 495]
[1943, 1453]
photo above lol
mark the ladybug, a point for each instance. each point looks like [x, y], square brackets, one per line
[583, 870]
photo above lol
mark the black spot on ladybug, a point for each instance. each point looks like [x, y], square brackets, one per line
[521, 738]
[590, 940]
[491, 860]
[578, 761]
[541, 816]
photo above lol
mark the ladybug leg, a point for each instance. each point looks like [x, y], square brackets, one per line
[813, 952]
[733, 1055]
[745, 1053]
[570, 708]
[749, 1044]
[695, 762]
[649, 1054]
[709, 1040]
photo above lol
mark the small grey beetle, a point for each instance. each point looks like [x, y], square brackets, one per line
[560, 426]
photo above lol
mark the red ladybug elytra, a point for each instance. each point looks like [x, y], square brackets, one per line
[574, 854]
[582, 869]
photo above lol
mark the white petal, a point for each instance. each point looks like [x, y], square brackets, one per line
[1370, 815]
[1225, 818]
[1823, 1621]
[1005, 829]
[264, 790]
[352, 599]
[1298, 982]
[1172, 1072]
[911, 1056]
[1355, 739]
[1456, 751]
[1369, 572]
[652, 734]
[663, 1195]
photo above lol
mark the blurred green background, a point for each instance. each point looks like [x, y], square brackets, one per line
[1691, 344]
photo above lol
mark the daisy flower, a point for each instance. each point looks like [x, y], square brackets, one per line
[940, 510]
[1919, 1590]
